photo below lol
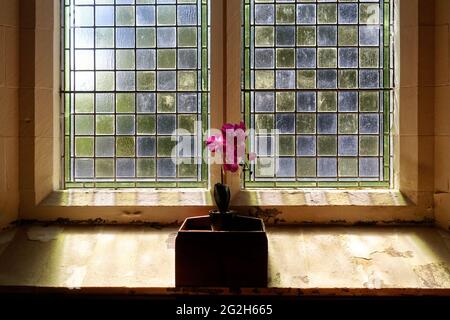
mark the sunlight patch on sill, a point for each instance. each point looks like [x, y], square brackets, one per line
[134, 197]
[202, 198]
[322, 197]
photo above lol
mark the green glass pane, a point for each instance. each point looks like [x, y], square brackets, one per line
[264, 79]
[348, 79]
[125, 102]
[265, 167]
[306, 79]
[84, 103]
[166, 15]
[84, 147]
[348, 167]
[166, 102]
[264, 36]
[369, 57]
[166, 146]
[167, 59]
[187, 80]
[104, 168]
[125, 124]
[306, 167]
[84, 125]
[306, 36]
[369, 13]
[326, 145]
[125, 59]
[348, 123]
[286, 145]
[124, 16]
[104, 124]
[326, 13]
[146, 124]
[104, 38]
[187, 170]
[187, 36]
[348, 35]
[306, 123]
[264, 122]
[368, 145]
[145, 37]
[285, 13]
[146, 168]
[285, 101]
[327, 101]
[368, 101]
[146, 80]
[327, 58]
[285, 58]
[125, 146]
[104, 81]
[187, 122]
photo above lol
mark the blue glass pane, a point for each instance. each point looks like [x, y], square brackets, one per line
[348, 57]
[286, 167]
[326, 167]
[285, 36]
[306, 101]
[348, 101]
[166, 37]
[368, 167]
[306, 13]
[145, 15]
[125, 168]
[166, 168]
[306, 146]
[146, 147]
[264, 101]
[348, 145]
[326, 79]
[327, 36]
[348, 13]
[306, 58]
[368, 123]
[326, 123]
[285, 123]
[125, 38]
[264, 13]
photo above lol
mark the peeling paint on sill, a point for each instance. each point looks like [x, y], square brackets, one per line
[267, 215]
[43, 234]
[433, 275]
[394, 253]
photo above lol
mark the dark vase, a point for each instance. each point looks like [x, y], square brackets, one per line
[222, 197]
[222, 221]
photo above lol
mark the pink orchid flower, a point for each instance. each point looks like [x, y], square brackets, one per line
[215, 143]
[232, 144]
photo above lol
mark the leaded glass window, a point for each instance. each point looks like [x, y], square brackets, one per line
[317, 80]
[134, 71]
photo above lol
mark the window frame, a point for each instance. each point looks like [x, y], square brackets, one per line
[70, 92]
[384, 92]
[410, 200]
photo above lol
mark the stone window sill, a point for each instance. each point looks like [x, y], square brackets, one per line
[202, 197]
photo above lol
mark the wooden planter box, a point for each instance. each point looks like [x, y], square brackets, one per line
[235, 258]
